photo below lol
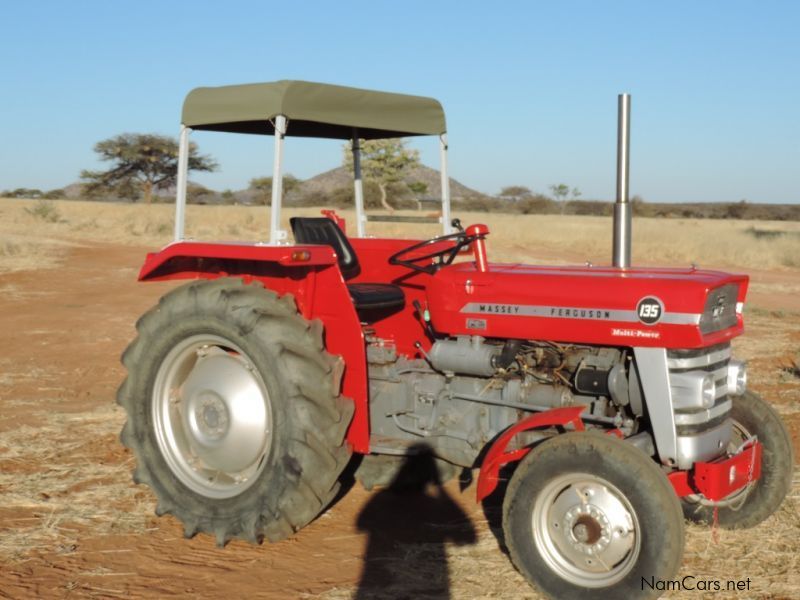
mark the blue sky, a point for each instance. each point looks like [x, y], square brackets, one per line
[529, 88]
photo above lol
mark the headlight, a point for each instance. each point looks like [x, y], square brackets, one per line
[737, 377]
[693, 390]
[709, 391]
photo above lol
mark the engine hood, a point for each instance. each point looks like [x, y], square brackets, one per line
[656, 307]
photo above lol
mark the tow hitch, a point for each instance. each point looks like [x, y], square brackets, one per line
[719, 479]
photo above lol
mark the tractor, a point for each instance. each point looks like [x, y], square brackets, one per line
[607, 396]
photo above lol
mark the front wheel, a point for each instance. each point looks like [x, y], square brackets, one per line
[590, 516]
[752, 416]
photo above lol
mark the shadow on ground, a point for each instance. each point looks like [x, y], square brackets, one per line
[409, 525]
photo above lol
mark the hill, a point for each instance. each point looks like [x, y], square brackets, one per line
[329, 182]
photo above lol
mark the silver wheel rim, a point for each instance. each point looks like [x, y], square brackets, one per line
[586, 530]
[212, 416]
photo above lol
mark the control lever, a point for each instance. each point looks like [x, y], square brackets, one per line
[425, 317]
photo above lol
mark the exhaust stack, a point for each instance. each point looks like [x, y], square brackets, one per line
[622, 208]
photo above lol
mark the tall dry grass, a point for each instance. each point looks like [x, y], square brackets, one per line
[27, 239]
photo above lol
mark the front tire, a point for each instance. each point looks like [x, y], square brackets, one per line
[748, 507]
[590, 516]
[234, 411]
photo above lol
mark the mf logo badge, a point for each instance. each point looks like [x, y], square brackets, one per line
[719, 308]
[476, 324]
[649, 310]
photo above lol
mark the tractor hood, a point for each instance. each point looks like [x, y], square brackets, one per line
[671, 308]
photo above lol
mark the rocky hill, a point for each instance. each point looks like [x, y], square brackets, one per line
[330, 181]
[325, 185]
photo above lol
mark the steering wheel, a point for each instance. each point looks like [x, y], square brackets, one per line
[446, 255]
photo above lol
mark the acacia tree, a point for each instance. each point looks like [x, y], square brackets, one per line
[384, 162]
[560, 191]
[515, 192]
[263, 185]
[141, 162]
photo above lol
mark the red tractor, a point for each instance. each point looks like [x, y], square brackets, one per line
[612, 390]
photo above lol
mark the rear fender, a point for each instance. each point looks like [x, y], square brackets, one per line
[497, 456]
[310, 274]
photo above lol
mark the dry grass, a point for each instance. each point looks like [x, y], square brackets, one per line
[768, 555]
[53, 487]
[550, 238]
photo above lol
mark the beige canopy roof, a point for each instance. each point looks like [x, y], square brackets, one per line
[313, 110]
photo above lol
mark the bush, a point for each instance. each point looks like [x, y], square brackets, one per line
[589, 207]
[45, 210]
[538, 205]
[31, 193]
[54, 194]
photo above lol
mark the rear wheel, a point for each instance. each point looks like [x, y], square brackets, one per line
[234, 411]
[752, 416]
[590, 516]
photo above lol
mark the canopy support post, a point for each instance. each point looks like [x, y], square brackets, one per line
[276, 234]
[180, 185]
[446, 226]
[358, 185]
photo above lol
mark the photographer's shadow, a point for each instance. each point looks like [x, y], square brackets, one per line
[409, 524]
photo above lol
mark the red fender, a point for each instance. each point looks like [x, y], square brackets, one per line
[497, 456]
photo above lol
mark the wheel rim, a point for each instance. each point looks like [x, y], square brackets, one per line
[212, 416]
[586, 530]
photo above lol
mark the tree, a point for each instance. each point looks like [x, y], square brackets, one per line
[418, 188]
[228, 197]
[383, 161]
[515, 192]
[560, 191]
[31, 193]
[142, 162]
[263, 185]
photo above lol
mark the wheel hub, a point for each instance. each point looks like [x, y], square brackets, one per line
[211, 416]
[585, 529]
[588, 529]
[211, 412]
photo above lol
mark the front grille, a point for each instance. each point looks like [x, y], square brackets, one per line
[698, 363]
[702, 433]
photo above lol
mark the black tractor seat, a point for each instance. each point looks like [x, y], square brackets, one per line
[366, 296]
[373, 296]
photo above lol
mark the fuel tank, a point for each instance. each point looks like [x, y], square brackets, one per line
[651, 307]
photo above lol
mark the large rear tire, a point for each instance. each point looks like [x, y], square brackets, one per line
[748, 507]
[234, 411]
[589, 516]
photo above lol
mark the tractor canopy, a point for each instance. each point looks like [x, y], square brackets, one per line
[318, 110]
[306, 109]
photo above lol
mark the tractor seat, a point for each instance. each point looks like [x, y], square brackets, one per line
[366, 296]
[373, 296]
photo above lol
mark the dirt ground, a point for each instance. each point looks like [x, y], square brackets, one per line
[73, 525]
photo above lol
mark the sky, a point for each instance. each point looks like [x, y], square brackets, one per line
[529, 88]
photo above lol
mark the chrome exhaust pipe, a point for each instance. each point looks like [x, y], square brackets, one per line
[622, 208]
